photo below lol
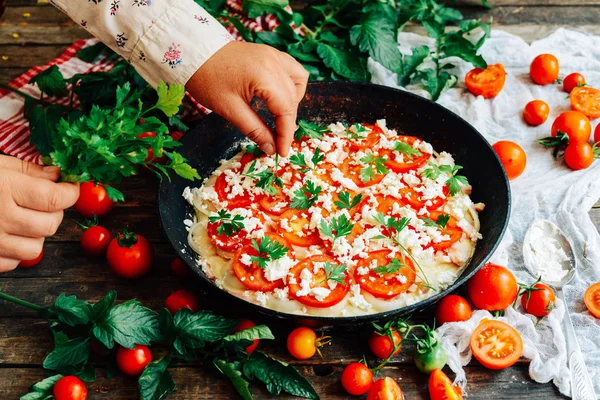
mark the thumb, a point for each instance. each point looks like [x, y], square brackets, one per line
[240, 114]
[37, 171]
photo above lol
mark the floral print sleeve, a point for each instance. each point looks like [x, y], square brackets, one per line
[163, 39]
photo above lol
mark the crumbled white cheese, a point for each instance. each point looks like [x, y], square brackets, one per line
[278, 269]
[358, 300]
[261, 298]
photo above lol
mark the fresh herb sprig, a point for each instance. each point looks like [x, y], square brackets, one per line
[229, 224]
[338, 227]
[268, 179]
[306, 196]
[345, 200]
[454, 182]
[309, 130]
[299, 160]
[335, 272]
[440, 222]
[374, 165]
[407, 150]
[356, 131]
[268, 250]
[394, 266]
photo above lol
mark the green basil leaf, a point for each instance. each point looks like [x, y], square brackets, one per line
[101, 309]
[277, 376]
[411, 63]
[71, 311]
[70, 354]
[251, 334]
[193, 331]
[455, 45]
[42, 125]
[256, 8]
[434, 84]
[42, 390]
[343, 63]
[91, 53]
[156, 382]
[233, 373]
[51, 81]
[271, 38]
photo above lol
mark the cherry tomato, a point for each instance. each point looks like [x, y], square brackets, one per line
[486, 82]
[143, 135]
[536, 112]
[579, 155]
[31, 263]
[574, 124]
[441, 387]
[318, 280]
[452, 308]
[496, 345]
[357, 379]
[298, 236]
[133, 361]
[512, 156]
[253, 276]
[539, 300]
[592, 299]
[385, 389]
[130, 255]
[69, 388]
[381, 346]
[95, 240]
[93, 200]
[572, 81]
[587, 100]
[181, 299]
[179, 269]
[385, 285]
[492, 288]
[176, 135]
[544, 69]
[242, 326]
[407, 163]
[431, 358]
[302, 343]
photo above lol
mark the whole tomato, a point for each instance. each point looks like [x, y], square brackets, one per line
[130, 255]
[381, 346]
[512, 156]
[133, 361]
[536, 112]
[31, 263]
[95, 238]
[538, 299]
[572, 81]
[579, 155]
[574, 124]
[492, 288]
[452, 308]
[302, 343]
[144, 135]
[597, 134]
[357, 379]
[544, 69]
[181, 299]
[93, 200]
[242, 326]
[69, 388]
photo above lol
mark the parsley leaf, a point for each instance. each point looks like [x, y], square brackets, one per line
[354, 131]
[229, 225]
[268, 250]
[267, 179]
[254, 150]
[454, 181]
[374, 165]
[51, 82]
[309, 130]
[407, 150]
[335, 272]
[169, 99]
[299, 160]
[306, 196]
[391, 223]
[344, 200]
[440, 222]
[394, 266]
[337, 228]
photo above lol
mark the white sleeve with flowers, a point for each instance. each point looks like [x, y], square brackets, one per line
[163, 39]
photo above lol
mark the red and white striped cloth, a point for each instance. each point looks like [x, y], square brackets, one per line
[14, 128]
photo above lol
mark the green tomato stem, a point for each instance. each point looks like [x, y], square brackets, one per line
[20, 302]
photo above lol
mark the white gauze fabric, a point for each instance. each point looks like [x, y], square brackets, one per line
[547, 189]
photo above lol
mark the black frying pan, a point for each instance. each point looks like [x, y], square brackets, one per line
[215, 139]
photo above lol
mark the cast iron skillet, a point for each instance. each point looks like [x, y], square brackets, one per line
[215, 139]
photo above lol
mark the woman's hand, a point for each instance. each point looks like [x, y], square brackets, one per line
[31, 208]
[239, 71]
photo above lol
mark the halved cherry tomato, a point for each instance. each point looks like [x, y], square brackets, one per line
[276, 204]
[452, 308]
[31, 263]
[385, 389]
[592, 299]
[538, 300]
[579, 155]
[253, 276]
[318, 280]
[544, 69]
[242, 326]
[381, 346]
[407, 163]
[572, 81]
[573, 123]
[239, 200]
[385, 286]
[486, 82]
[451, 229]
[441, 387]
[224, 242]
[587, 100]
[496, 345]
[132, 362]
[93, 200]
[512, 156]
[492, 288]
[357, 379]
[414, 199]
[536, 112]
[299, 236]
[181, 299]
[367, 143]
[352, 170]
[69, 388]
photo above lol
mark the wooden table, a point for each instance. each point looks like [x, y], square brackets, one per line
[25, 340]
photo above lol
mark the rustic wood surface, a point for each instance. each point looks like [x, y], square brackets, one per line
[24, 339]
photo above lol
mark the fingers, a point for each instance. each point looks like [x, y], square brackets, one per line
[37, 171]
[34, 224]
[298, 74]
[42, 195]
[8, 264]
[20, 247]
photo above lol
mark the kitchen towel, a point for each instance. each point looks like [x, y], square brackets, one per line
[547, 189]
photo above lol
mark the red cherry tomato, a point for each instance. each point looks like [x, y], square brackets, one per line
[243, 325]
[579, 155]
[133, 361]
[592, 299]
[357, 379]
[130, 255]
[385, 389]
[452, 308]
[597, 134]
[572, 81]
[179, 269]
[512, 156]
[536, 112]
[381, 346]
[538, 300]
[486, 82]
[451, 229]
[95, 240]
[574, 124]
[544, 69]
[176, 135]
[181, 299]
[492, 288]
[93, 200]
[31, 263]
[143, 135]
[69, 388]
[496, 345]
[367, 142]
